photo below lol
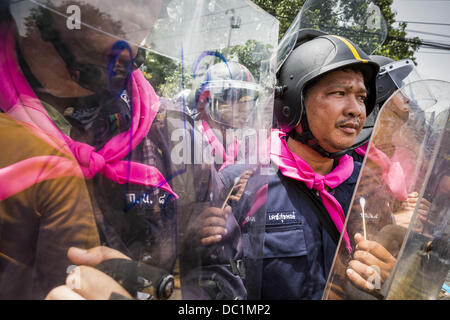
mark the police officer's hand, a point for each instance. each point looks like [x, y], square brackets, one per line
[86, 282]
[371, 264]
[240, 186]
[213, 222]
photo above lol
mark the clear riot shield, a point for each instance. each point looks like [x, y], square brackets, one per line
[360, 21]
[393, 75]
[223, 86]
[118, 92]
[400, 205]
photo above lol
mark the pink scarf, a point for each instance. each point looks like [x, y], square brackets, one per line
[292, 166]
[19, 101]
[392, 171]
[26, 173]
[362, 150]
[216, 145]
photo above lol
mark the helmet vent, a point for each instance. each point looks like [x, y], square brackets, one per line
[279, 91]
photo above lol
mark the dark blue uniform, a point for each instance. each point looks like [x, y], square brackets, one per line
[298, 251]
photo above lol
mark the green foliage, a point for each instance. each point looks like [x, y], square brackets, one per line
[167, 78]
[284, 10]
[251, 55]
[394, 46]
[165, 75]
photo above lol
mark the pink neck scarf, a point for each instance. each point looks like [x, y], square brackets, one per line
[233, 148]
[292, 166]
[362, 149]
[392, 172]
[19, 101]
[25, 173]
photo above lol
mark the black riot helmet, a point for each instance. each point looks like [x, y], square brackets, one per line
[306, 63]
[392, 76]
[385, 85]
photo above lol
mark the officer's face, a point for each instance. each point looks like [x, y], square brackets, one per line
[335, 109]
[235, 113]
[88, 30]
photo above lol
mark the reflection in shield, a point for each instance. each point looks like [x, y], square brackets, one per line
[403, 184]
[111, 88]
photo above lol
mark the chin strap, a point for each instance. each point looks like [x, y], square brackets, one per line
[307, 138]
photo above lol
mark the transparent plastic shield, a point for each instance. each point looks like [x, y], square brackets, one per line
[287, 43]
[189, 24]
[400, 202]
[360, 21]
[126, 96]
[391, 77]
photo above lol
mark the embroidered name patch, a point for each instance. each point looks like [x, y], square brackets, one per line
[282, 217]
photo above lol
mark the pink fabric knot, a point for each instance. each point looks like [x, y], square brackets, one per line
[18, 99]
[362, 149]
[90, 161]
[319, 183]
[292, 166]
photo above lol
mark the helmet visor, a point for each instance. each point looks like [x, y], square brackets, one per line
[232, 102]
[360, 21]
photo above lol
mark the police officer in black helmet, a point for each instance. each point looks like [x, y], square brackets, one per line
[306, 67]
[326, 89]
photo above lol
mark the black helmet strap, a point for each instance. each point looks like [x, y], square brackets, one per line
[307, 138]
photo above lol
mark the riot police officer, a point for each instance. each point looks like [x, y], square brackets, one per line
[326, 88]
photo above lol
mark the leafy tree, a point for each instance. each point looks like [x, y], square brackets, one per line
[253, 55]
[395, 46]
[165, 74]
[167, 77]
